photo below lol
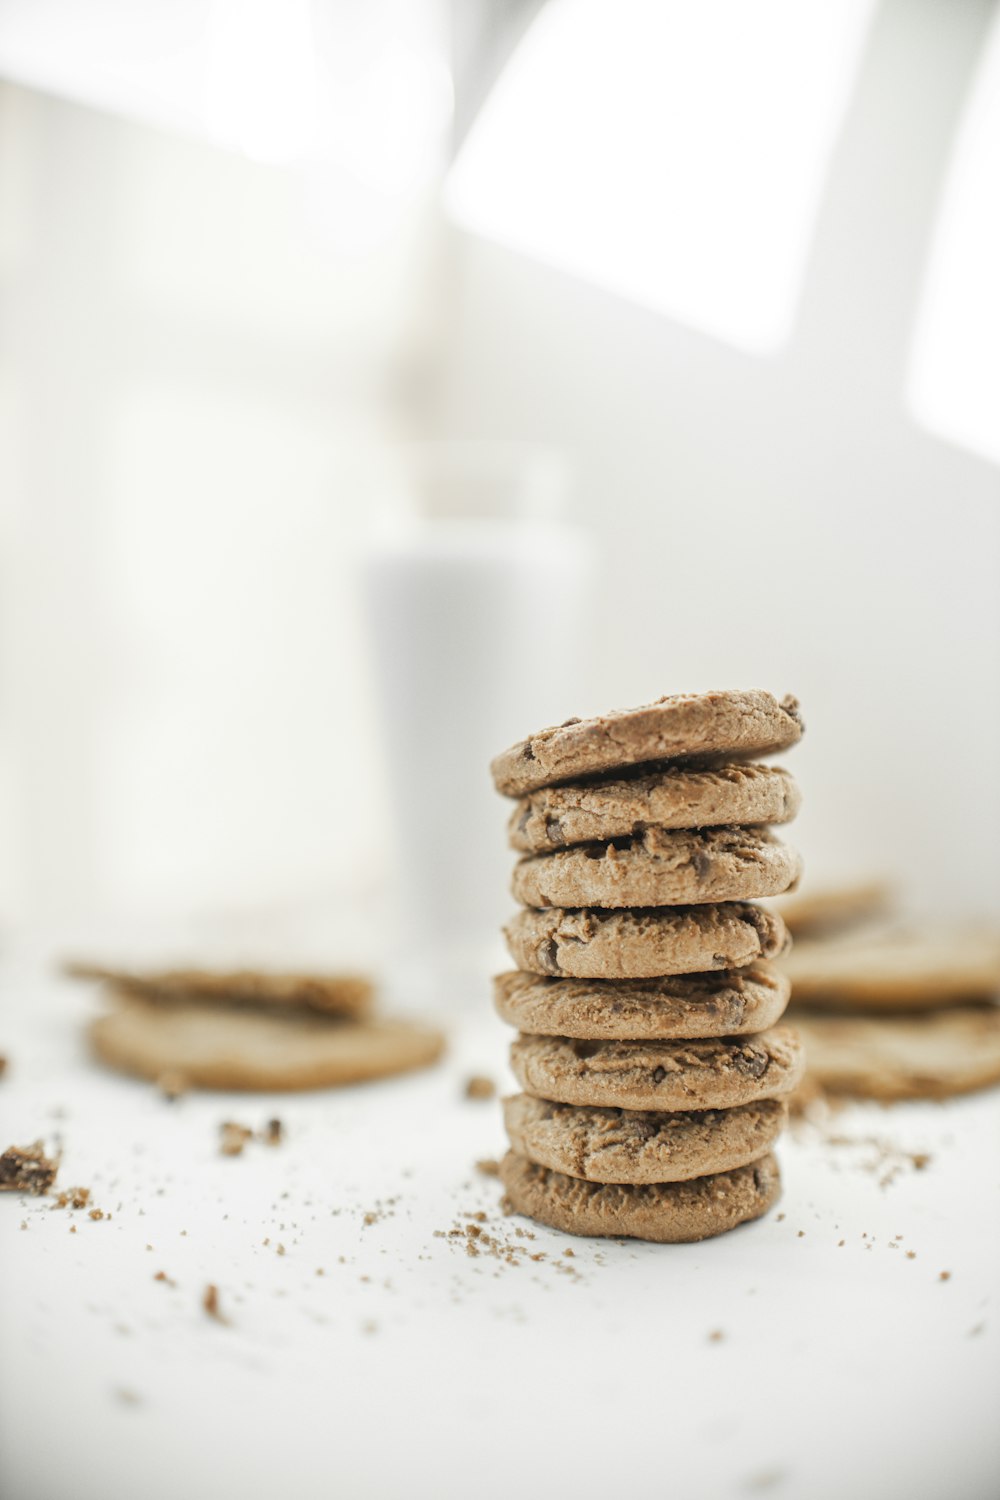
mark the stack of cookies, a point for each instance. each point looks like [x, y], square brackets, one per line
[652, 1071]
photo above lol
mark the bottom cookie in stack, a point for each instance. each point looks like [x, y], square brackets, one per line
[659, 1124]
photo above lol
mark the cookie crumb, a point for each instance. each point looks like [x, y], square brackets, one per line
[127, 1396]
[488, 1166]
[74, 1197]
[97, 1213]
[911, 1255]
[273, 1133]
[210, 1303]
[233, 1137]
[26, 1169]
[478, 1086]
[280, 1250]
[944, 1276]
[716, 1336]
[3, 1065]
[162, 1276]
[172, 1085]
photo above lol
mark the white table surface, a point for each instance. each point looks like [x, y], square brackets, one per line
[775, 1360]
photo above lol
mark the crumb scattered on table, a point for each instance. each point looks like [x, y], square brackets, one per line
[478, 1086]
[488, 1166]
[74, 1197]
[210, 1303]
[233, 1137]
[172, 1085]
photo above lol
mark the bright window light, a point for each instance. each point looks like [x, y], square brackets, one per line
[954, 384]
[673, 152]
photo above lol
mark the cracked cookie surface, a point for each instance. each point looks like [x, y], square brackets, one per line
[715, 1073]
[675, 797]
[680, 1005]
[640, 1146]
[667, 1212]
[644, 943]
[683, 726]
[661, 867]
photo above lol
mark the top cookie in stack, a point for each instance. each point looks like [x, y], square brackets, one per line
[645, 990]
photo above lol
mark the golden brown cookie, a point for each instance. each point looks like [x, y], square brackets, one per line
[717, 1073]
[686, 725]
[661, 867]
[896, 971]
[642, 944]
[638, 1146]
[675, 797]
[668, 1212]
[931, 1055]
[331, 994]
[819, 910]
[725, 1003]
[216, 1047]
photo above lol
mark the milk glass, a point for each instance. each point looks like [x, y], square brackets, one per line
[474, 586]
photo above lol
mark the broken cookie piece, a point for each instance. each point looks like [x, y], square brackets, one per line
[26, 1169]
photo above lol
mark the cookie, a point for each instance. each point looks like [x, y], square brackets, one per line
[680, 1005]
[668, 1212]
[929, 1056]
[661, 867]
[217, 1047]
[675, 797]
[896, 971]
[684, 726]
[820, 910]
[642, 944]
[638, 1146]
[716, 1073]
[331, 994]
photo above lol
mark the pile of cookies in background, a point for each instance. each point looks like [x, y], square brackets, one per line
[890, 1010]
[654, 1077]
[249, 1030]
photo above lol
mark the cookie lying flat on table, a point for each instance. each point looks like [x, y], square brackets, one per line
[331, 994]
[640, 1146]
[224, 1048]
[675, 797]
[933, 1055]
[716, 1073]
[643, 944]
[680, 1005]
[661, 867]
[818, 910]
[902, 971]
[667, 1212]
[686, 725]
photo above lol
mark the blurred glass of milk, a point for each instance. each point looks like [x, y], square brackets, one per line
[474, 591]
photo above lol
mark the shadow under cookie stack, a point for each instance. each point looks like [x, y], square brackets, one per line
[653, 1073]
